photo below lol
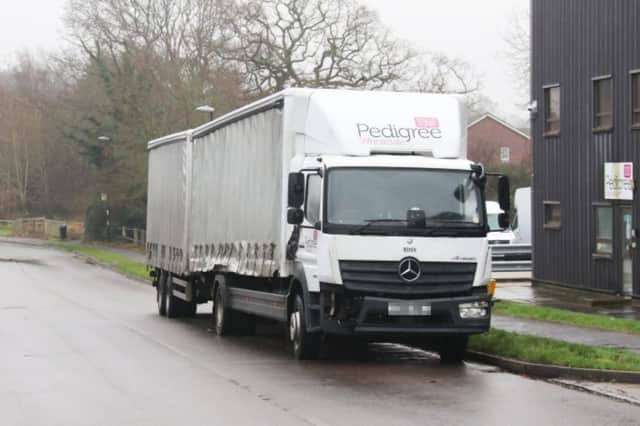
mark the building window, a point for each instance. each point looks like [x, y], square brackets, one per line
[635, 99]
[552, 215]
[603, 104]
[504, 154]
[552, 110]
[604, 230]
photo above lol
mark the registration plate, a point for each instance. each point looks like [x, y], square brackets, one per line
[408, 309]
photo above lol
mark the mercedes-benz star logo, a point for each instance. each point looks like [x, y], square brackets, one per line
[409, 269]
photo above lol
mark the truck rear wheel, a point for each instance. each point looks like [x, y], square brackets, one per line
[161, 293]
[222, 315]
[452, 349]
[174, 304]
[303, 344]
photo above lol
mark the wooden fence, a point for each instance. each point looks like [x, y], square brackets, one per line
[41, 227]
[135, 235]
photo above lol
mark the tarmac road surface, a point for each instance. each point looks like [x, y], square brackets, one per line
[81, 345]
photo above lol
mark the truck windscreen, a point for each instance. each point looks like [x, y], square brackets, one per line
[383, 198]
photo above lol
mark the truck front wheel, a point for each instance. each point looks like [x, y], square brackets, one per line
[452, 349]
[304, 345]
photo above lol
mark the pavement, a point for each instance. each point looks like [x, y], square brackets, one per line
[83, 345]
[568, 333]
[571, 299]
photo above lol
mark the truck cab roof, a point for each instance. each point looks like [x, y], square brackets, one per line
[392, 161]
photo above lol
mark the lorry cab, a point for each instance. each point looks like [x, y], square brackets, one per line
[393, 225]
[395, 246]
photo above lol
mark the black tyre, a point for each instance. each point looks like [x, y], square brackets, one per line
[174, 304]
[452, 349]
[161, 293]
[222, 315]
[303, 344]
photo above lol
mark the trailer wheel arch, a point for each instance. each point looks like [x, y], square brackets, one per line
[218, 281]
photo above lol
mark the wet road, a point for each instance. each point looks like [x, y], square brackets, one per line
[81, 345]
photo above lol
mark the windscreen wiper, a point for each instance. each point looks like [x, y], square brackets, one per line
[370, 222]
[452, 228]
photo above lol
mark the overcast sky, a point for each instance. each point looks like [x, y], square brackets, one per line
[470, 29]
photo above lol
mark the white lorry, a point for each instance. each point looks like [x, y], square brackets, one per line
[338, 212]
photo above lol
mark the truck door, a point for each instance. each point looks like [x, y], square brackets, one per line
[309, 234]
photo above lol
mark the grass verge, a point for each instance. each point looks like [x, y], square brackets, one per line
[6, 231]
[120, 262]
[542, 350]
[563, 316]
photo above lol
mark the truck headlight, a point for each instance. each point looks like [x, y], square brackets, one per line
[474, 310]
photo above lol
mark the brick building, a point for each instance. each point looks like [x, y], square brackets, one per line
[495, 142]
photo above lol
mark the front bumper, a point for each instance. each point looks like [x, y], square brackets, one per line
[340, 312]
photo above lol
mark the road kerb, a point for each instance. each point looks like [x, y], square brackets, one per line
[546, 371]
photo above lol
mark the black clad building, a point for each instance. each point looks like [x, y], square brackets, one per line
[586, 143]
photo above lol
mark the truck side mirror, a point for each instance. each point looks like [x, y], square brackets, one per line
[504, 193]
[296, 190]
[504, 199]
[295, 216]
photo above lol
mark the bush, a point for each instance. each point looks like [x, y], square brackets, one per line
[95, 224]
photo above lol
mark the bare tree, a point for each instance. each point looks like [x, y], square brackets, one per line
[518, 49]
[144, 65]
[175, 44]
[438, 73]
[34, 159]
[314, 43]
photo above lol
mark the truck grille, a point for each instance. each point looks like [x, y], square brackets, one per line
[382, 278]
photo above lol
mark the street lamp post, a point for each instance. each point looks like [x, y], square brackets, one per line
[207, 108]
[103, 195]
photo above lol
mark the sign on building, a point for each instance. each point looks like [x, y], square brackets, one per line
[618, 181]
